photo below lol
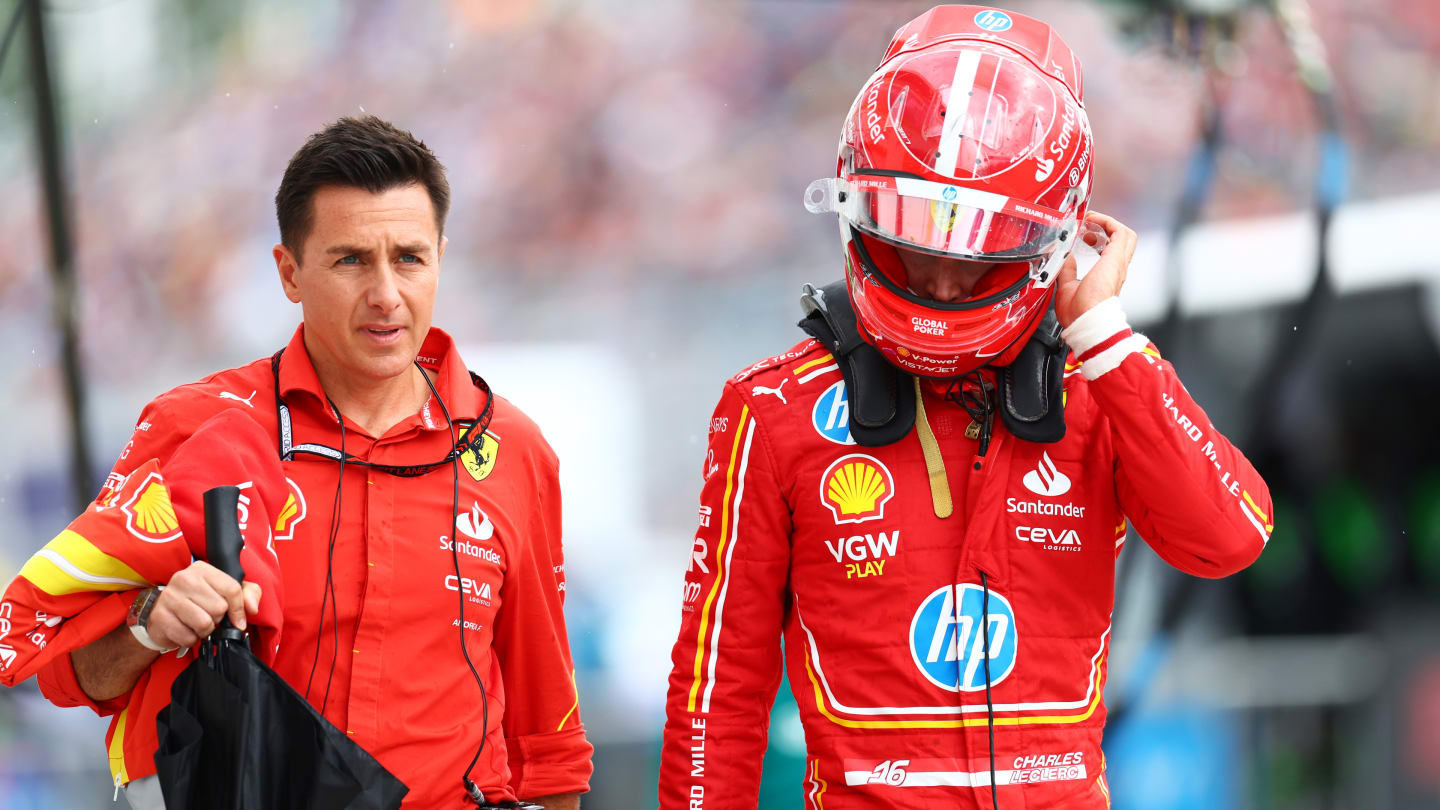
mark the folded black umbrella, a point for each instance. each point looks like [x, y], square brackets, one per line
[237, 737]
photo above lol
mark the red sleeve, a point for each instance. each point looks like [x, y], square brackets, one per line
[727, 660]
[544, 738]
[57, 679]
[1190, 493]
[156, 436]
[159, 430]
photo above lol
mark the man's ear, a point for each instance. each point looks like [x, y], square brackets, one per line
[288, 264]
[444, 240]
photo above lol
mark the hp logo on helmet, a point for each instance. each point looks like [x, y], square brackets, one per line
[993, 21]
[949, 193]
[946, 643]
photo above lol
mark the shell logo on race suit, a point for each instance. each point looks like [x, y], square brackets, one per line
[831, 415]
[481, 461]
[291, 513]
[946, 643]
[855, 488]
[149, 515]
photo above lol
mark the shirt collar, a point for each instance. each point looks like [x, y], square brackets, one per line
[437, 353]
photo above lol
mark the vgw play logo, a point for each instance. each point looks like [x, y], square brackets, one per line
[947, 645]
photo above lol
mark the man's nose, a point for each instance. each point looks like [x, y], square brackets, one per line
[384, 293]
[947, 288]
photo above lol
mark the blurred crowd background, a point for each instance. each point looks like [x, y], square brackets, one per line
[627, 231]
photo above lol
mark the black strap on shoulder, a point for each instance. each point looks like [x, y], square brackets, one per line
[882, 400]
[1031, 396]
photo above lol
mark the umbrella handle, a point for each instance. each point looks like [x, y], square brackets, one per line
[223, 542]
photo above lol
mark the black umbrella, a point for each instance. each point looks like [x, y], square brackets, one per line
[237, 737]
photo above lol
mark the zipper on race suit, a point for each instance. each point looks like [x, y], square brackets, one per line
[989, 701]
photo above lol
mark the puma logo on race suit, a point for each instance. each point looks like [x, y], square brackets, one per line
[246, 400]
[757, 390]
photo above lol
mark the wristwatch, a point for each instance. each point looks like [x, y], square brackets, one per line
[138, 619]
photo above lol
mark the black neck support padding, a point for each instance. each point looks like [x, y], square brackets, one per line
[882, 400]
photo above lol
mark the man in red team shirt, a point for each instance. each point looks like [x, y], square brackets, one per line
[369, 548]
[927, 499]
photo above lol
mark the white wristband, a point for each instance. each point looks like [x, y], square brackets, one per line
[1095, 326]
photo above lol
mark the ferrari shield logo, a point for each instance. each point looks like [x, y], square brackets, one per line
[943, 214]
[481, 461]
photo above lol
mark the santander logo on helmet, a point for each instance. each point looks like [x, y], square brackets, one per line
[969, 142]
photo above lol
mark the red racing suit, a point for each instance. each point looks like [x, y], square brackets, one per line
[838, 549]
[400, 686]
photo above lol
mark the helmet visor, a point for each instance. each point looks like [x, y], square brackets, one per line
[948, 220]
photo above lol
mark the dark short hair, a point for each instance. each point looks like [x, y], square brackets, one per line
[367, 152]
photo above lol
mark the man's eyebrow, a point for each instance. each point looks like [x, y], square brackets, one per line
[347, 250]
[355, 250]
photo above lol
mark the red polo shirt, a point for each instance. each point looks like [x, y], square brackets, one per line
[399, 686]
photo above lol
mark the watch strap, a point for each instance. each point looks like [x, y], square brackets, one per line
[143, 636]
[139, 618]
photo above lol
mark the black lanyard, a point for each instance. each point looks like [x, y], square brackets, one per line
[470, 442]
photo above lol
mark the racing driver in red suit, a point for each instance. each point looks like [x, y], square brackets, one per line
[926, 499]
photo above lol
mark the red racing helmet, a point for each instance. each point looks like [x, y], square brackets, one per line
[970, 141]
